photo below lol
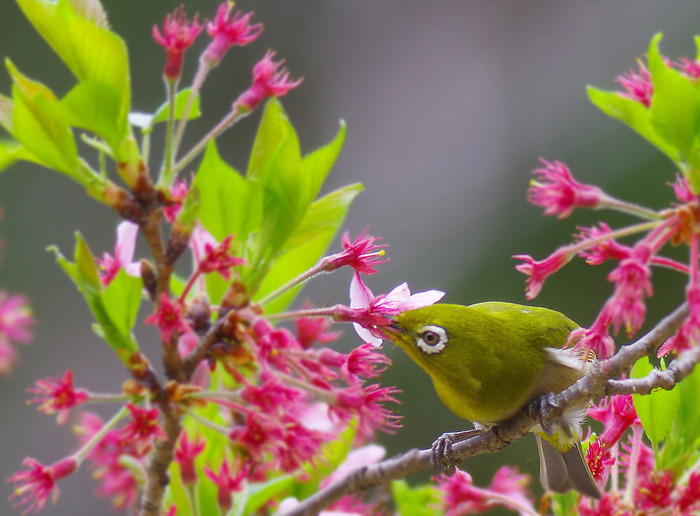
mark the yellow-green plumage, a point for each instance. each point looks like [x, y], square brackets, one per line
[490, 360]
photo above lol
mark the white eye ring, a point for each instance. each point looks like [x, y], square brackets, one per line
[431, 339]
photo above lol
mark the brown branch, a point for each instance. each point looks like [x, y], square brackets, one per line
[159, 461]
[595, 384]
[658, 379]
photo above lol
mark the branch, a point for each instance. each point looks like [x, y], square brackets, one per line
[597, 383]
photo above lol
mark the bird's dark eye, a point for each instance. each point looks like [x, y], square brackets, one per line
[431, 339]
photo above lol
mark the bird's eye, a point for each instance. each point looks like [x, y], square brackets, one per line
[431, 339]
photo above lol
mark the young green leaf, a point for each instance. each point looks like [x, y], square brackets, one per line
[674, 106]
[112, 323]
[633, 113]
[422, 500]
[224, 197]
[122, 299]
[656, 410]
[83, 41]
[275, 173]
[96, 107]
[181, 99]
[316, 165]
[306, 245]
[36, 127]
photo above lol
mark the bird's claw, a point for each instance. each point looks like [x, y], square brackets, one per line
[540, 408]
[442, 456]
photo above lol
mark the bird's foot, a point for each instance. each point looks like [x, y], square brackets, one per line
[540, 408]
[442, 457]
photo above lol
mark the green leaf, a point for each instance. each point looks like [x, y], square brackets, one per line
[37, 129]
[112, 323]
[161, 114]
[633, 113]
[307, 244]
[422, 500]
[656, 410]
[275, 170]
[122, 299]
[96, 107]
[273, 489]
[674, 106]
[83, 41]
[223, 194]
[8, 148]
[316, 166]
[683, 440]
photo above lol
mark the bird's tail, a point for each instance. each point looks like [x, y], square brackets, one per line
[563, 471]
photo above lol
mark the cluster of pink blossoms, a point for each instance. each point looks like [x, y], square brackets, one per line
[636, 484]
[558, 192]
[275, 395]
[285, 398]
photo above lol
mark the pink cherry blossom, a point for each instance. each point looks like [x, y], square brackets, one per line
[123, 254]
[376, 311]
[178, 34]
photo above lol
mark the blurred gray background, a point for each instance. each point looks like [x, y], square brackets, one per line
[449, 105]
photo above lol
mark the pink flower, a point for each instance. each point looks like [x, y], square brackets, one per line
[300, 445]
[603, 250]
[258, 434]
[177, 196]
[645, 461]
[273, 395]
[123, 254]
[556, 190]
[617, 413]
[360, 254]
[599, 462]
[689, 333]
[268, 81]
[178, 34]
[508, 489]
[168, 318]
[637, 85]
[274, 344]
[632, 284]
[596, 338]
[116, 481]
[39, 481]
[366, 402]
[314, 329]
[218, 258]
[364, 362]
[689, 67]
[227, 31]
[15, 318]
[654, 491]
[681, 188]
[143, 428]
[371, 311]
[229, 479]
[610, 505]
[539, 270]
[57, 395]
[185, 454]
[689, 500]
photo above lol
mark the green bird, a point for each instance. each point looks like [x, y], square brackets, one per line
[489, 360]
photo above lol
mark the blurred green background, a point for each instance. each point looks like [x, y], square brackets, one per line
[449, 105]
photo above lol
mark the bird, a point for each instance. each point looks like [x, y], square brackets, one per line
[490, 360]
